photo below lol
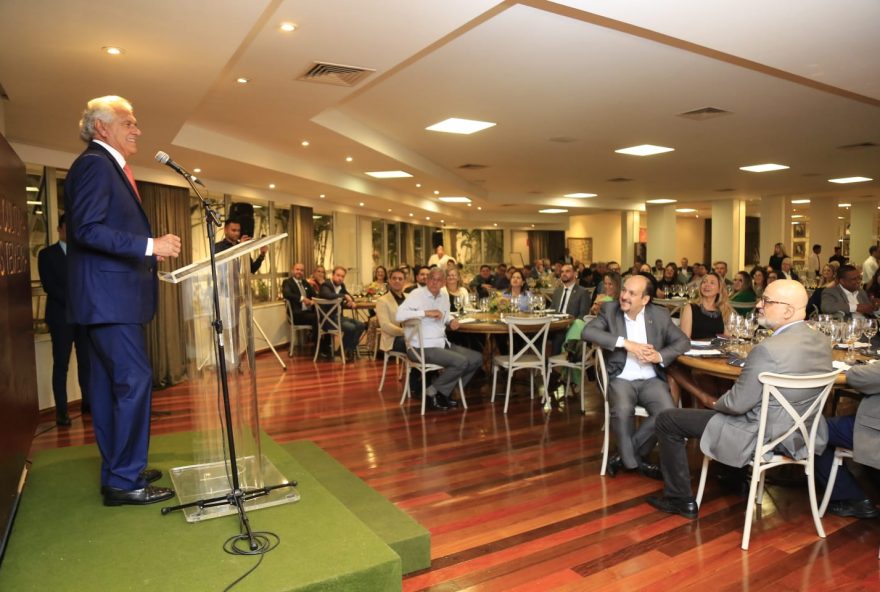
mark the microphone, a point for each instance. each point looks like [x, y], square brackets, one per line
[163, 158]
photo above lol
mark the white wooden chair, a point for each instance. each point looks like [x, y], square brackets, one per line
[839, 455]
[294, 328]
[586, 359]
[531, 356]
[602, 381]
[416, 361]
[329, 323]
[807, 423]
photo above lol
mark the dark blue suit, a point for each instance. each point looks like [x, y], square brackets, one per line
[112, 289]
[52, 264]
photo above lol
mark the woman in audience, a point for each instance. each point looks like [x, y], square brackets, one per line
[669, 279]
[454, 289]
[318, 278]
[772, 276]
[517, 294]
[701, 320]
[380, 279]
[743, 292]
[828, 275]
[759, 280]
[610, 292]
[776, 258]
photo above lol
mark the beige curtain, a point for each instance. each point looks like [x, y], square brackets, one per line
[302, 237]
[168, 209]
[539, 245]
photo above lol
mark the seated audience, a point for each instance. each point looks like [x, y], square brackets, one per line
[300, 293]
[317, 279]
[847, 297]
[742, 291]
[610, 292]
[787, 272]
[482, 283]
[421, 278]
[431, 307]
[352, 329]
[728, 429]
[517, 293]
[759, 280]
[380, 279]
[636, 360]
[668, 279]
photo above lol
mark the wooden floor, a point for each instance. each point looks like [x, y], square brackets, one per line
[515, 502]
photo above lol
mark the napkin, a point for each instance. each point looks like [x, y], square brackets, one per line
[467, 320]
[699, 343]
[856, 345]
[838, 365]
[696, 353]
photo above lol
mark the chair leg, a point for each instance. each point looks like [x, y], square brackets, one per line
[318, 346]
[494, 381]
[342, 348]
[583, 388]
[384, 370]
[424, 390]
[607, 440]
[757, 475]
[832, 477]
[759, 498]
[531, 384]
[811, 487]
[702, 487]
[507, 393]
[405, 394]
[290, 349]
[461, 390]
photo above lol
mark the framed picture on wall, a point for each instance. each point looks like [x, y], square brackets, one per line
[800, 249]
[581, 249]
[799, 230]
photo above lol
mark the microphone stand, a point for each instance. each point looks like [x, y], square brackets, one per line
[237, 496]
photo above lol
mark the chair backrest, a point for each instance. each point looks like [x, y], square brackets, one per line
[601, 371]
[329, 314]
[412, 330]
[532, 343]
[772, 383]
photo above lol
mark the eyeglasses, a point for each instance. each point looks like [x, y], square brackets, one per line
[764, 301]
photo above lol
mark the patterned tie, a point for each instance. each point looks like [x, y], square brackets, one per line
[130, 175]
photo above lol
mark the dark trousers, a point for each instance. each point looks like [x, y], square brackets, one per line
[307, 317]
[120, 389]
[840, 434]
[671, 428]
[623, 396]
[64, 336]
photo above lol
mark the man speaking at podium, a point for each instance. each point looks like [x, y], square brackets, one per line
[112, 291]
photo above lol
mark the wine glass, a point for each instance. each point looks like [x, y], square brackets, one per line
[850, 333]
[456, 304]
[869, 329]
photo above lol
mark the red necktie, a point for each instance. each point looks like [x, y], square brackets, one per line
[130, 175]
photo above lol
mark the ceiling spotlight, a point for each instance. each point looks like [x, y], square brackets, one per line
[552, 211]
[763, 168]
[436, 192]
[197, 170]
[322, 196]
[361, 204]
[480, 208]
[288, 27]
[410, 214]
[389, 209]
[427, 217]
[495, 224]
[662, 200]
[418, 184]
[271, 185]
[242, 80]
[348, 159]
[111, 50]
[304, 143]
[800, 201]
[685, 210]
[644, 150]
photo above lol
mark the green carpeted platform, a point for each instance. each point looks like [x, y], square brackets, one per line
[408, 538]
[65, 539]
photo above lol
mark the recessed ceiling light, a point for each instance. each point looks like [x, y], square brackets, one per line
[552, 211]
[842, 218]
[436, 192]
[644, 150]
[348, 159]
[533, 225]
[322, 196]
[34, 203]
[442, 221]
[389, 209]
[388, 174]
[33, 189]
[410, 214]
[271, 185]
[427, 217]
[800, 201]
[304, 143]
[112, 50]
[851, 180]
[580, 195]
[795, 223]
[480, 208]
[763, 168]
[469, 204]
[496, 223]
[288, 27]
[418, 184]
[455, 125]
[197, 170]
[797, 216]
[361, 204]
[242, 80]
[662, 200]
[843, 205]
[685, 210]
[454, 199]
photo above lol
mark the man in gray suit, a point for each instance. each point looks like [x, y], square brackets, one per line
[861, 434]
[847, 296]
[729, 428]
[568, 298]
[639, 340]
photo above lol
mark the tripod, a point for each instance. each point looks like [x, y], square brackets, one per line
[237, 496]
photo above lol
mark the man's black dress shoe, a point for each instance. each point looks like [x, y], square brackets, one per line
[138, 497]
[651, 471]
[436, 403]
[853, 508]
[148, 475]
[615, 465]
[62, 420]
[686, 507]
[446, 400]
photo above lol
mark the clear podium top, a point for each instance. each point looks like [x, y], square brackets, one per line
[183, 273]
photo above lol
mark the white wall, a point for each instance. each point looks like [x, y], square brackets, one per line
[519, 243]
[603, 228]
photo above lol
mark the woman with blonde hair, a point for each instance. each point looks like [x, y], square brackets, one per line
[776, 258]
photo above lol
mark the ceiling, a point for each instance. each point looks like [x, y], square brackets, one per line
[567, 83]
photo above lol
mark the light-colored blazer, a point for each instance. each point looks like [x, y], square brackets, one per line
[834, 300]
[386, 312]
[731, 434]
[662, 333]
[866, 432]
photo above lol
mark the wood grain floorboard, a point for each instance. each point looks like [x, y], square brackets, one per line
[515, 502]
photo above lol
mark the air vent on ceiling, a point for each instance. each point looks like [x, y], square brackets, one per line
[563, 139]
[725, 190]
[704, 113]
[859, 146]
[508, 205]
[619, 180]
[337, 74]
[472, 166]
[536, 192]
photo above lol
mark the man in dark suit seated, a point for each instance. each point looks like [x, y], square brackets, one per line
[233, 236]
[861, 434]
[352, 329]
[299, 293]
[482, 282]
[728, 429]
[569, 298]
[847, 296]
[639, 340]
[52, 264]
[112, 288]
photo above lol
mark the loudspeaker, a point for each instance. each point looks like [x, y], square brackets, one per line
[244, 214]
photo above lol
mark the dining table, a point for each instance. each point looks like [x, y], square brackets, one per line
[490, 324]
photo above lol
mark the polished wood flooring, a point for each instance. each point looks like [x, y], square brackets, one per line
[515, 502]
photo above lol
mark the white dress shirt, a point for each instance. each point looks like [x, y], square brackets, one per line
[853, 299]
[637, 332]
[414, 307]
